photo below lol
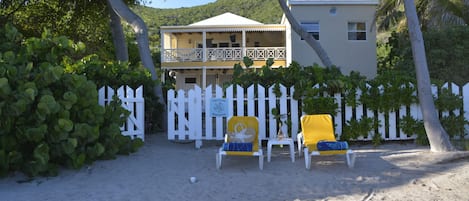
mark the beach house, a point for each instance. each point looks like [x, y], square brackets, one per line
[204, 53]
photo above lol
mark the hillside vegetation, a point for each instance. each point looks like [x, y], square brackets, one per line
[265, 11]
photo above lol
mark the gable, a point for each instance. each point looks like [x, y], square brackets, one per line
[226, 19]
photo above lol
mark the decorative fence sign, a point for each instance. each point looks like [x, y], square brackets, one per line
[218, 107]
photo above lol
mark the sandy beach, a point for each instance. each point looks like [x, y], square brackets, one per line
[161, 170]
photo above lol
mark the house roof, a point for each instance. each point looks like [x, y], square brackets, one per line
[333, 2]
[226, 19]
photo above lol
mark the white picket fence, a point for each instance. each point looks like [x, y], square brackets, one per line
[133, 101]
[192, 115]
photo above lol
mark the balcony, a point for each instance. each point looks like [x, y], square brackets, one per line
[223, 54]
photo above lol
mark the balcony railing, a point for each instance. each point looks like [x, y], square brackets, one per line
[223, 54]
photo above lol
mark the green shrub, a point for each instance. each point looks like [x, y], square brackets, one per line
[412, 126]
[51, 118]
[115, 74]
[357, 128]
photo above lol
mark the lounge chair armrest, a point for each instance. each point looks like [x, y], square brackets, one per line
[299, 138]
[226, 137]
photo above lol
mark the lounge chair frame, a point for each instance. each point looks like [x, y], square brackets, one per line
[258, 152]
[349, 154]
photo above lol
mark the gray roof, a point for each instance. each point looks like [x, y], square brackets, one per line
[226, 19]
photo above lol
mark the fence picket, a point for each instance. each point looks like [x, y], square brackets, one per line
[251, 101]
[283, 110]
[207, 113]
[181, 113]
[219, 120]
[261, 113]
[294, 114]
[240, 101]
[171, 115]
[194, 111]
[272, 104]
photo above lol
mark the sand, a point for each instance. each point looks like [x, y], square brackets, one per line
[161, 170]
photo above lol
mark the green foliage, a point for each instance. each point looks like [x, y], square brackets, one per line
[357, 128]
[411, 126]
[110, 73]
[51, 118]
[453, 123]
[315, 100]
[320, 105]
[447, 101]
[446, 51]
[115, 74]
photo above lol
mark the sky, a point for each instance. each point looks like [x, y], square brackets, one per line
[178, 3]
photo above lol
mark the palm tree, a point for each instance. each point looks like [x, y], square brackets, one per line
[431, 13]
[437, 136]
[451, 12]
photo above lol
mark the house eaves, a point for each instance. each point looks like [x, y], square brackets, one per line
[332, 2]
[223, 28]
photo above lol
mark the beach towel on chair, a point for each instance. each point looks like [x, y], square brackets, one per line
[332, 145]
[237, 146]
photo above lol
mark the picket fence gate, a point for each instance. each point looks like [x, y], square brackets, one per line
[202, 114]
[133, 101]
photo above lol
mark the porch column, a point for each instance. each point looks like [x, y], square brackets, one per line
[288, 43]
[244, 43]
[162, 47]
[204, 46]
[204, 59]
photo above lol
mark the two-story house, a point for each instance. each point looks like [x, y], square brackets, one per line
[205, 52]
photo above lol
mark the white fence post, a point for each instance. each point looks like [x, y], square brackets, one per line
[194, 107]
[261, 111]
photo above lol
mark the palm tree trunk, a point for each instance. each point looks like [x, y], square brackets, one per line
[437, 136]
[140, 29]
[118, 37]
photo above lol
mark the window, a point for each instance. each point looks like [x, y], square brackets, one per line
[356, 31]
[223, 44]
[190, 80]
[312, 28]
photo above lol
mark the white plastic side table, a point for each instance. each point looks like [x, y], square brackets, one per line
[283, 141]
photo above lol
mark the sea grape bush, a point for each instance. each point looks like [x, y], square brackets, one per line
[50, 118]
[116, 74]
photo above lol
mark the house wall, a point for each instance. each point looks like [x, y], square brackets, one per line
[333, 36]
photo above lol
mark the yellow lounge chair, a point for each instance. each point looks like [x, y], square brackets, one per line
[242, 129]
[315, 128]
